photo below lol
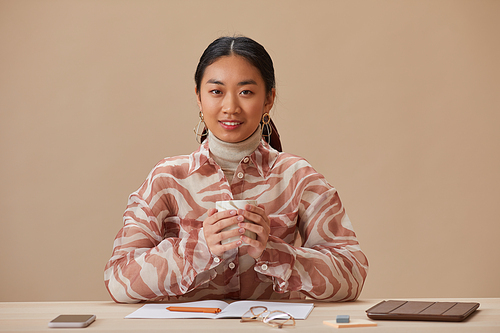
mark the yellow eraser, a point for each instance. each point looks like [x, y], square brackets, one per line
[352, 323]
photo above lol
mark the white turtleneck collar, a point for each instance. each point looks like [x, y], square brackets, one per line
[228, 155]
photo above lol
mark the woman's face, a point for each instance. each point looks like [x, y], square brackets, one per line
[232, 96]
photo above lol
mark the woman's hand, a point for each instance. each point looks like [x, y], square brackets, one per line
[212, 229]
[259, 224]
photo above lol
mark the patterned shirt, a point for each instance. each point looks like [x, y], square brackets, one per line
[161, 254]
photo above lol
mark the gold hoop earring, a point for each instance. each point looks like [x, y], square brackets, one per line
[196, 129]
[266, 128]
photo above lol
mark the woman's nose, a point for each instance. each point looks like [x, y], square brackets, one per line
[230, 104]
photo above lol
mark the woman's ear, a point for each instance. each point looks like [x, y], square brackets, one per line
[268, 105]
[198, 97]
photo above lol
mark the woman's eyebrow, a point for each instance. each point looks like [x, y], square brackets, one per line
[242, 83]
[247, 82]
[215, 81]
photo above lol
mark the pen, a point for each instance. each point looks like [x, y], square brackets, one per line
[189, 309]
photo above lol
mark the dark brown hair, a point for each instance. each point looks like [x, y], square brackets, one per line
[254, 53]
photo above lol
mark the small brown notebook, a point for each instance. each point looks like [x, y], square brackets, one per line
[416, 310]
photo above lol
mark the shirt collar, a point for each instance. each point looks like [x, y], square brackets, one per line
[263, 158]
[199, 157]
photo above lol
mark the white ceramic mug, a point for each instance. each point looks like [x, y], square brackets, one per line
[235, 204]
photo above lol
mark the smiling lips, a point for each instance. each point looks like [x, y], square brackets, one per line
[230, 124]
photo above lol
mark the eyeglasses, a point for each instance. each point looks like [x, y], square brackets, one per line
[276, 318]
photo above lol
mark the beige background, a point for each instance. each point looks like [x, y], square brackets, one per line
[395, 102]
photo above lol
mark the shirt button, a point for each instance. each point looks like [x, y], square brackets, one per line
[246, 159]
[240, 175]
[264, 267]
[232, 265]
[217, 260]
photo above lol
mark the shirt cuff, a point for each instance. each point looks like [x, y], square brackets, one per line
[277, 261]
[201, 259]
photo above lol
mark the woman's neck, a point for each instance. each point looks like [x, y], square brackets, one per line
[228, 155]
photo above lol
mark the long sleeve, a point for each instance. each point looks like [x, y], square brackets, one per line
[329, 264]
[158, 254]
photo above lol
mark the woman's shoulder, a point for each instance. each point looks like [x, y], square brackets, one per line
[182, 163]
[284, 156]
[291, 162]
[173, 161]
[173, 165]
[299, 167]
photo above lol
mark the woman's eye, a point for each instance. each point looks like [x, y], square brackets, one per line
[215, 92]
[246, 92]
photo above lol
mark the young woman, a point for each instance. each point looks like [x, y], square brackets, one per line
[170, 245]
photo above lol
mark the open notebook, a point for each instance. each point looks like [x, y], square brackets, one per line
[228, 310]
